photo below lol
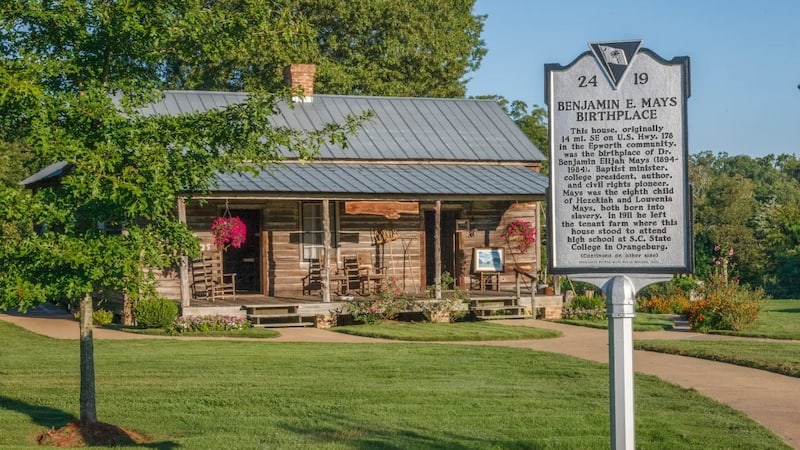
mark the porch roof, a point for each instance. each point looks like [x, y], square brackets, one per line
[391, 180]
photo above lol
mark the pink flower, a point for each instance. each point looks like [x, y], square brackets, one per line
[229, 231]
[519, 235]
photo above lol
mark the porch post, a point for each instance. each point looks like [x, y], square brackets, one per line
[538, 247]
[437, 251]
[183, 273]
[326, 243]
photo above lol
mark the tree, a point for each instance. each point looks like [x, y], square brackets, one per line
[532, 122]
[368, 47]
[73, 75]
[15, 163]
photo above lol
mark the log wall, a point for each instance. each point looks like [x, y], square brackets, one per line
[400, 247]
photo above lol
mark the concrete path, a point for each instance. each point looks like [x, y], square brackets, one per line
[770, 399]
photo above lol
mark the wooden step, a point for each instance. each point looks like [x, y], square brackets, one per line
[505, 316]
[497, 307]
[285, 324]
[286, 320]
[264, 310]
[277, 316]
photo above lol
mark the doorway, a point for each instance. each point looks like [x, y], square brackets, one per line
[448, 247]
[245, 261]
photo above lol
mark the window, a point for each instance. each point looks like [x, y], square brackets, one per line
[313, 237]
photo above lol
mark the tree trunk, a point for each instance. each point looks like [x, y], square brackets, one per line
[127, 310]
[88, 400]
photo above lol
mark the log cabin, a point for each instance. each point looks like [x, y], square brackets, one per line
[421, 189]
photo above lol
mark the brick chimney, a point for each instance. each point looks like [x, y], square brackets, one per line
[301, 75]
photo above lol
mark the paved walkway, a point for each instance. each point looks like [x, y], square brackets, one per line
[770, 399]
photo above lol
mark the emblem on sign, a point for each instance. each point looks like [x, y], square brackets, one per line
[615, 58]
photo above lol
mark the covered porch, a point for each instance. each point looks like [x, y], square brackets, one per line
[414, 224]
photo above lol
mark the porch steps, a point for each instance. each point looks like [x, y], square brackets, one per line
[277, 316]
[497, 307]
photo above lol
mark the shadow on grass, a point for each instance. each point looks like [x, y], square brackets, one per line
[41, 415]
[99, 434]
[358, 435]
[787, 310]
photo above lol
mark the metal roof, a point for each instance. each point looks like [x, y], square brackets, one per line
[390, 180]
[402, 128]
[50, 172]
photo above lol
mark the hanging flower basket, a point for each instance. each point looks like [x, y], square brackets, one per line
[229, 232]
[519, 235]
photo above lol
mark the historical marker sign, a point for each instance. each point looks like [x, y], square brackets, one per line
[619, 191]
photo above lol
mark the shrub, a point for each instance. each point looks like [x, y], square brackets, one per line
[585, 308]
[385, 304]
[671, 297]
[155, 312]
[100, 317]
[724, 306]
[676, 304]
[208, 323]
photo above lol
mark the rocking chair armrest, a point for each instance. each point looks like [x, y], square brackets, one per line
[231, 276]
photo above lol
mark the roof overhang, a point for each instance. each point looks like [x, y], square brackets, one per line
[388, 181]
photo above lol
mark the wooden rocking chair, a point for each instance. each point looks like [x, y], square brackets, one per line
[208, 281]
[371, 275]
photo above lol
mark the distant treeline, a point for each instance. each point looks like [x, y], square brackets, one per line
[752, 207]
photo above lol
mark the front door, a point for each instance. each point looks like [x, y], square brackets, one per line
[244, 261]
[448, 245]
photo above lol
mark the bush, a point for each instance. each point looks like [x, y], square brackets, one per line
[101, 317]
[202, 324]
[676, 304]
[724, 306]
[155, 312]
[671, 297]
[385, 304]
[585, 308]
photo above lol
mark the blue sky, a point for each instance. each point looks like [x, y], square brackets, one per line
[745, 59]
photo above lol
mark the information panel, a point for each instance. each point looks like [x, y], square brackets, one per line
[619, 198]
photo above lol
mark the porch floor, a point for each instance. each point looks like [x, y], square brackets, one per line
[259, 299]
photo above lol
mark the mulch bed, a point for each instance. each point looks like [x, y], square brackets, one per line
[74, 434]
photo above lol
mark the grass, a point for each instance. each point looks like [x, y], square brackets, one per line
[261, 394]
[780, 319]
[460, 331]
[778, 357]
[641, 322]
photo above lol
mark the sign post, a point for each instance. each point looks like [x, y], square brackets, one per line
[619, 203]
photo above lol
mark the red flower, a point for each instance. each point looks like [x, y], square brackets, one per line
[519, 235]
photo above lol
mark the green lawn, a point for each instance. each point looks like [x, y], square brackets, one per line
[780, 319]
[641, 322]
[261, 394]
[779, 357]
[461, 331]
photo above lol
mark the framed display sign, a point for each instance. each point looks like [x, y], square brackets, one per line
[619, 198]
[487, 259]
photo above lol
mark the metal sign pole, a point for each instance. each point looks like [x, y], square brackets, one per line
[620, 310]
[620, 292]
